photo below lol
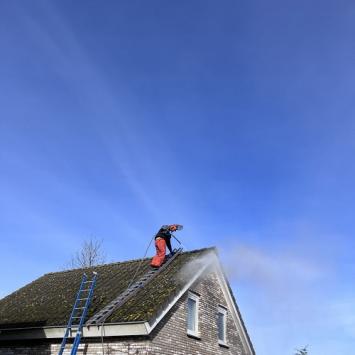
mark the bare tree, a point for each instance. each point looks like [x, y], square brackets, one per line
[90, 254]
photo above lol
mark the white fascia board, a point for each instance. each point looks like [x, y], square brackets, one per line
[231, 305]
[124, 329]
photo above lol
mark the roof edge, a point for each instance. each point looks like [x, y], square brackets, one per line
[212, 248]
[227, 290]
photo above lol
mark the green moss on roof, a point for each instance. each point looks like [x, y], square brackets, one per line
[48, 300]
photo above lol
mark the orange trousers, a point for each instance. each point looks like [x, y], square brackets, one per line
[159, 258]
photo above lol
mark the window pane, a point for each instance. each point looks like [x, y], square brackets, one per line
[220, 326]
[191, 314]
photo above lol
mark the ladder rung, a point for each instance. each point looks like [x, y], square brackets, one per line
[81, 299]
[87, 289]
[79, 308]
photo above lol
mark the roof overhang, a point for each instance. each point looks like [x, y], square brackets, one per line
[107, 330]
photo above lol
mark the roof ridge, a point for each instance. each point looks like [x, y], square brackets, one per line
[213, 248]
[95, 266]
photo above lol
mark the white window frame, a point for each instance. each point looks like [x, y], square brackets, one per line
[222, 310]
[195, 298]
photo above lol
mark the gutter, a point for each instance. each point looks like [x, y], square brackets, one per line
[107, 330]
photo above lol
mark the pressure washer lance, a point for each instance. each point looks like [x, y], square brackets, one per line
[178, 227]
[176, 238]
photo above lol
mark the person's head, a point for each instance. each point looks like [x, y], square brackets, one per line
[173, 228]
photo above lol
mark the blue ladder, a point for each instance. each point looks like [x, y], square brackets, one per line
[82, 304]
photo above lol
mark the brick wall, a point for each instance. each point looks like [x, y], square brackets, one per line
[113, 347]
[28, 349]
[168, 338]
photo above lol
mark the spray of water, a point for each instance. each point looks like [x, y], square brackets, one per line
[252, 265]
[203, 262]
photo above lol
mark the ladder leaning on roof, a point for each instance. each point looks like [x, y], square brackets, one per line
[100, 317]
[79, 312]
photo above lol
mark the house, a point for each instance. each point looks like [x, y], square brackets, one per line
[187, 308]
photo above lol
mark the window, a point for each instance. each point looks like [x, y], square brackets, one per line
[222, 325]
[192, 314]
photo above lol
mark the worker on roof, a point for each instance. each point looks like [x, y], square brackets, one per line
[162, 240]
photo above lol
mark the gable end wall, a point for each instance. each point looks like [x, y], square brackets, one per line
[170, 336]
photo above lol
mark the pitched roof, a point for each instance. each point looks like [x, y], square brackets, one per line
[48, 300]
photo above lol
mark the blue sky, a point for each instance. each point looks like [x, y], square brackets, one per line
[234, 118]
